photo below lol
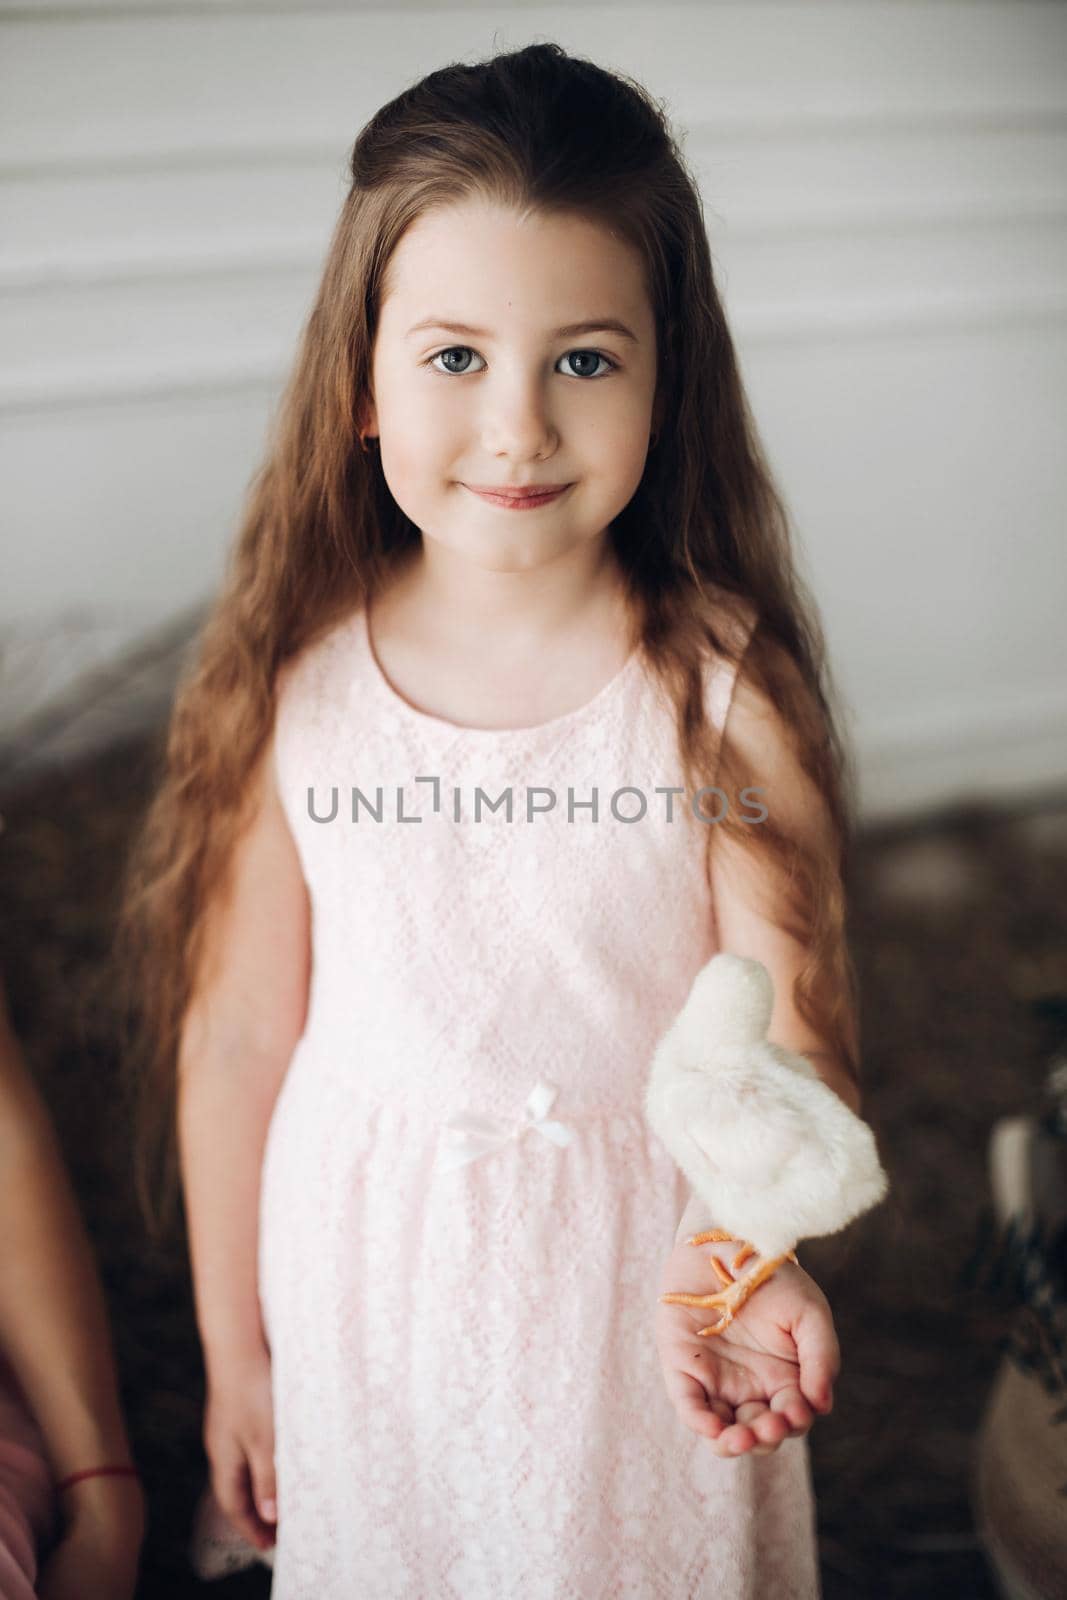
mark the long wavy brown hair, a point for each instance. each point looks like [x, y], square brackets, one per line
[540, 130]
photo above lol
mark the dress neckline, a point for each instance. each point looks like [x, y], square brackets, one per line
[404, 710]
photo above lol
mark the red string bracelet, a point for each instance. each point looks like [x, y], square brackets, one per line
[97, 1472]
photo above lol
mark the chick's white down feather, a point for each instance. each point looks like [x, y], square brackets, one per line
[771, 1150]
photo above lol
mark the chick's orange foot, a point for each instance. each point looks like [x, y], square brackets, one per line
[735, 1291]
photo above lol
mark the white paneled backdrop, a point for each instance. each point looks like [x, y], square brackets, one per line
[886, 192]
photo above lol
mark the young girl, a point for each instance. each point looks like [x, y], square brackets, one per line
[449, 825]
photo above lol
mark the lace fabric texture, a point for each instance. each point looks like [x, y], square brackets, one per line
[464, 1215]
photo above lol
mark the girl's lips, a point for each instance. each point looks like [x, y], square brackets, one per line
[518, 502]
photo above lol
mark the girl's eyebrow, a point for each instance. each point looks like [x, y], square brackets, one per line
[571, 330]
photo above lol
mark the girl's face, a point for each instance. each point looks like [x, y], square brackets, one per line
[509, 400]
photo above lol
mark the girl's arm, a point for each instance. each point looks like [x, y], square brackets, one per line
[767, 1375]
[53, 1319]
[242, 1025]
[745, 915]
[745, 912]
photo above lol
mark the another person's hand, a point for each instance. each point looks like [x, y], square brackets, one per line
[239, 1440]
[767, 1375]
[100, 1547]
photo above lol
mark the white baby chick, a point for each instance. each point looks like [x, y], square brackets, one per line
[771, 1150]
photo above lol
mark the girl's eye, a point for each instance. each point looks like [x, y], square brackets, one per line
[586, 359]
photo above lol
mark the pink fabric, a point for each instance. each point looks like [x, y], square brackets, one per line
[468, 1401]
[27, 1503]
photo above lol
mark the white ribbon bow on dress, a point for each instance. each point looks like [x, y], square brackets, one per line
[471, 1134]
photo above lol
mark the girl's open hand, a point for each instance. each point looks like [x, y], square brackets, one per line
[767, 1375]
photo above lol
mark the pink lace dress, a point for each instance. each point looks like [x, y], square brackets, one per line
[464, 1215]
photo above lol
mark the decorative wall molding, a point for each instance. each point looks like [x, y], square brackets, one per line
[76, 10]
[734, 69]
[220, 148]
[170, 374]
[998, 748]
[257, 248]
[161, 191]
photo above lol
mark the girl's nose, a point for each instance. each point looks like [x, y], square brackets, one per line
[518, 423]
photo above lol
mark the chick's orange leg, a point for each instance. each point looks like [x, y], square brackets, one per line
[729, 1300]
[717, 1236]
[722, 1271]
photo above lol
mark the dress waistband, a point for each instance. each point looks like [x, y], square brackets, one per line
[462, 1133]
[471, 1134]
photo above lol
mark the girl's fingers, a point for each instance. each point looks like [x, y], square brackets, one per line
[233, 1491]
[264, 1491]
[756, 1426]
[819, 1355]
[768, 1427]
[791, 1404]
[693, 1407]
[736, 1440]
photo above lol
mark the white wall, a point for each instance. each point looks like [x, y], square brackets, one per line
[886, 194]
